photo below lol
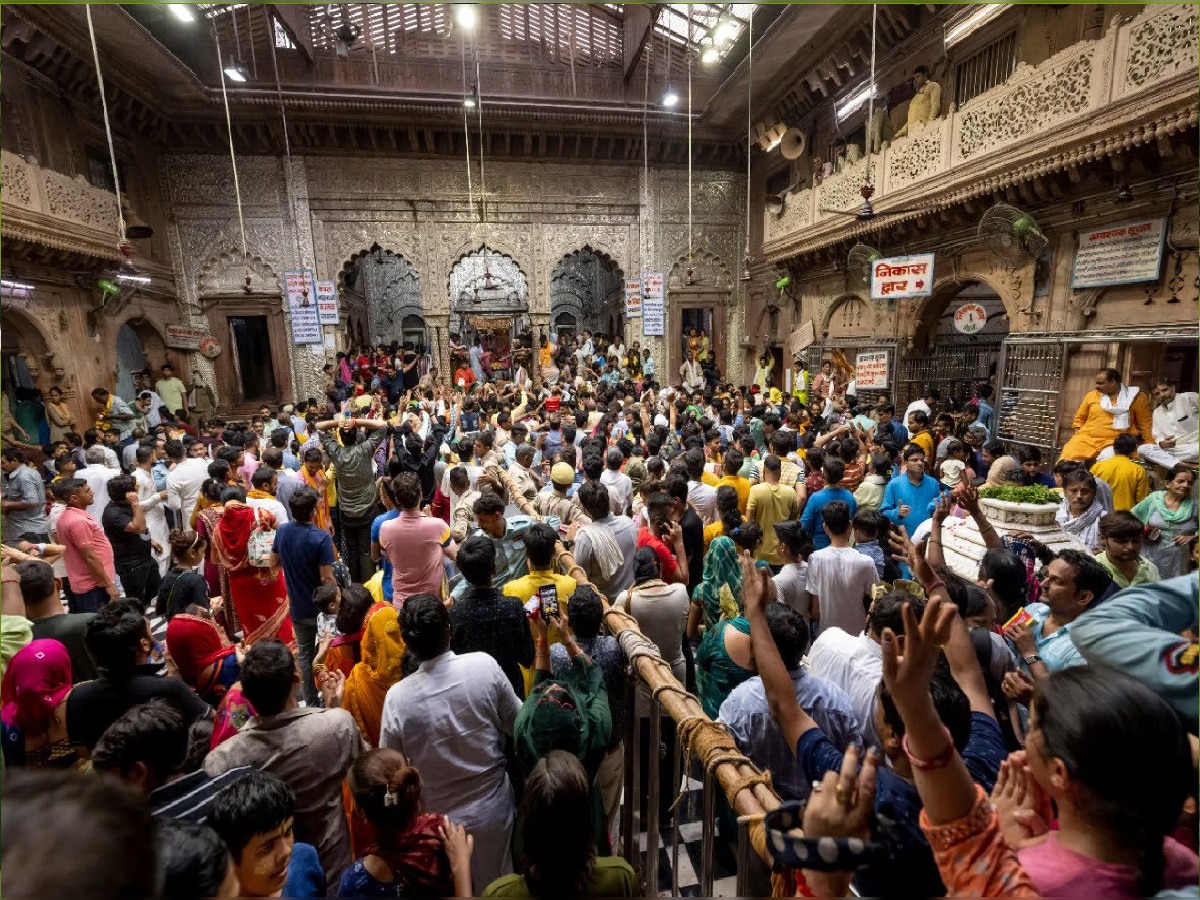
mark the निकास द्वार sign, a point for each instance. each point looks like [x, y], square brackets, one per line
[871, 370]
[897, 277]
[970, 318]
[1119, 254]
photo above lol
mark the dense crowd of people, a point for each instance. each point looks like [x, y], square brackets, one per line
[355, 645]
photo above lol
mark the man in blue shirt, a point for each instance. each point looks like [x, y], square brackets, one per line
[377, 554]
[909, 498]
[305, 553]
[748, 714]
[987, 413]
[833, 470]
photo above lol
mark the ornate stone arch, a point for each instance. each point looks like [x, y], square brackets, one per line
[708, 271]
[40, 341]
[829, 306]
[586, 282]
[1014, 287]
[499, 285]
[224, 273]
[389, 284]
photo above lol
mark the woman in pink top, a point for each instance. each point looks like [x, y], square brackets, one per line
[1114, 758]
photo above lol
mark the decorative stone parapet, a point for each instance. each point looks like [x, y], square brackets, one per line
[56, 210]
[1093, 99]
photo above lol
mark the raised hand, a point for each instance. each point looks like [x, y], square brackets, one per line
[907, 675]
[842, 805]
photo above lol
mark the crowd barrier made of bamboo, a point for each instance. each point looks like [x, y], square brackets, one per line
[747, 789]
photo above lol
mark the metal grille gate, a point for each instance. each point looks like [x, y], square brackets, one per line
[1031, 381]
[953, 366]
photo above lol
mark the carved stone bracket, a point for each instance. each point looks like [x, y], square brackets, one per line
[1084, 302]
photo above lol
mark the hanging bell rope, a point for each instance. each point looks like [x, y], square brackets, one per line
[122, 242]
[237, 188]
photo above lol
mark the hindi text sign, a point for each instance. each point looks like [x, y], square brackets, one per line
[871, 370]
[1119, 254]
[970, 318]
[897, 277]
[327, 303]
[653, 304]
[302, 302]
[633, 299]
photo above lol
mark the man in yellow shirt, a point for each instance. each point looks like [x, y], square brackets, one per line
[918, 432]
[731, 464]
[1129, 482]
[771, 502]
[926, 101]
[540, 540]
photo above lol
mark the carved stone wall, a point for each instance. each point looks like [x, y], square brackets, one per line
[323, 211]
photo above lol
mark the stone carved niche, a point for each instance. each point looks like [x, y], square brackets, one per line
[485, 282]
[913, 159]
[585, 284]
[708, 272]
[392, 288]
[225, 274]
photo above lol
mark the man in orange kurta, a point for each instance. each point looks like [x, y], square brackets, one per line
[1111, 409]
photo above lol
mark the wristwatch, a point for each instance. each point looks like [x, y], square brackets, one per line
[1030, 660]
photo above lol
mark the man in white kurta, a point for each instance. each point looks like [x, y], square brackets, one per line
[1174, 425]
[153, 504]
[691, 374]
[451, 718]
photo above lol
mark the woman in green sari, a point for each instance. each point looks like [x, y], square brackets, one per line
[1170, 519]
[724, 659]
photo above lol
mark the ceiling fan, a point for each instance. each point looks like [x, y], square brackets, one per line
[866, 212]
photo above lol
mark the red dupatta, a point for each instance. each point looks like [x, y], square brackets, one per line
[418, 858]
[231, 537]
[196, 645]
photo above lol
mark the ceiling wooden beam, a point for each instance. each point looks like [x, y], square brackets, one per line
[294, 18]
[641, 18]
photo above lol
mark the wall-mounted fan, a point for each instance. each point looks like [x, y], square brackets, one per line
[858, 266]
[1012, 235]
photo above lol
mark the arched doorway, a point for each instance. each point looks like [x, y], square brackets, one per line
[390, 289]
[24, 353]
[587, 286]
[565, 323]
[699, 295]
[131, 357]
[943, 357]
[489, 300]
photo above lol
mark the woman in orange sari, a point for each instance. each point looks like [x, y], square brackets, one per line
[257, 594]
[382, 649]
[313, 474]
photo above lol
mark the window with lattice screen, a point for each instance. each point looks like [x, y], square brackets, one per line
[385, 26]
[986, 68]
[566, 30]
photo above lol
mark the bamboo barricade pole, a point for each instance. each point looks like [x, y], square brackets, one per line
[748, 790]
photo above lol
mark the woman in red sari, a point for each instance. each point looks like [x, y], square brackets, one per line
[257, 594]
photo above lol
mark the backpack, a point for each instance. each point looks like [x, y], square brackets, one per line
[260, 544]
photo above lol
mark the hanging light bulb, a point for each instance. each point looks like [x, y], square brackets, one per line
[669, 97]
[182, 12]
[465, 16]
[235, 70]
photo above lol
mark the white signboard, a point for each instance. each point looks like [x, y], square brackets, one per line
[633, 299]
[902, 276]
[302, 302]
[653, 304]
[970, 318]
[871, 370]
[1119, 254]
[327, 303]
